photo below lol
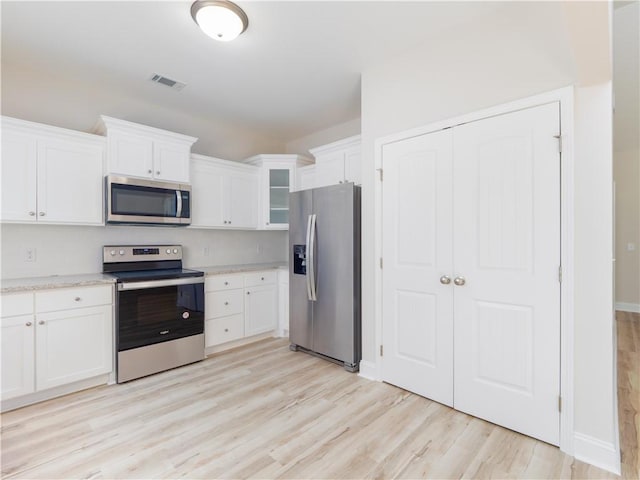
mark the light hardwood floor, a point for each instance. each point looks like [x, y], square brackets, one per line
[262, 411]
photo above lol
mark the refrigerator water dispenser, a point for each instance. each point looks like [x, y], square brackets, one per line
[300, 259]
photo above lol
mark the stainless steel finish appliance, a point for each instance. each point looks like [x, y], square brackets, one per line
[159, 309]
[324, 273]
[141, 201]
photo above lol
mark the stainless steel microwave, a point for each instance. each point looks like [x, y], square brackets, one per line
[141, 201]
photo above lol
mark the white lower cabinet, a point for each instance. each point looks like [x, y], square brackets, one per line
[240, 305]
[55, 337]
[260, 309]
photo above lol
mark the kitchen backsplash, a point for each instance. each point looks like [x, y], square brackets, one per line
[42, 250]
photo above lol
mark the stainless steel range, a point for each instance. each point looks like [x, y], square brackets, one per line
[159, 309]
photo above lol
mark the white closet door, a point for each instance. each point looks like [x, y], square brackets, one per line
[417, 251]
[507, 248]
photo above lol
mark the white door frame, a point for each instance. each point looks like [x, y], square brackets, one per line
[565, 97]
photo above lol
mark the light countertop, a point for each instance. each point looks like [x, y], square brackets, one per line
[13, 285]
[54, 281]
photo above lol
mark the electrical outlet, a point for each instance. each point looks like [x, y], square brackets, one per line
[30, 255]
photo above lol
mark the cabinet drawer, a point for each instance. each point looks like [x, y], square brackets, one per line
[223, 282]
[69, 298]
[260, 278]
[221, 304]
[17, 304]
[224, 329]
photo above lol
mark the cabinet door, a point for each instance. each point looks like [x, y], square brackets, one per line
[171, 162]
[352, 165]
[260, 309]
[18, 195]
[243, 201]
[305, 177]
[70, 182]
[73, 345]
[277, 201]
[330, 169]
[207, 195]
[130, 154]
[17, 356]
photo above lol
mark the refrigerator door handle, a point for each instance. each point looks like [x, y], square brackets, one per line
[311, 256]
[308, 257]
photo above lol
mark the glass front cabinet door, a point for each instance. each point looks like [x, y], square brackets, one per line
[278, 178]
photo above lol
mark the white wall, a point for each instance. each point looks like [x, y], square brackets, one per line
[62, 250]
[64, 102]
[489, 64]
[302, 145]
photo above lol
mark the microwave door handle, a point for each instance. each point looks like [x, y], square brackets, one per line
[178, 204]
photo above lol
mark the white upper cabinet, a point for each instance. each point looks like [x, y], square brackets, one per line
[278, 174]
[224, 194]
[306, 177]
[338, 162]
[146, 152]
[46, 170]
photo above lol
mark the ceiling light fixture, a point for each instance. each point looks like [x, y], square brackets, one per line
[220, 19]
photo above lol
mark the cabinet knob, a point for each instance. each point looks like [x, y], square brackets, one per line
[157, 172]
[226, 329]
[229, 222]
[226, 303]
[28, 324]
[41, 322]
[266, 223]
[32, 214]
[445, 280]
[248, 293]
[77, 299]
[340, 181]
[42, 214]
[262, 278]
[149, 172]
[226, 283]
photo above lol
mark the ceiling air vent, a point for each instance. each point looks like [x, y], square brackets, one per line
[176, 85]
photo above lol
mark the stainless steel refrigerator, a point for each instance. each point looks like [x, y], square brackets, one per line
[324, 273]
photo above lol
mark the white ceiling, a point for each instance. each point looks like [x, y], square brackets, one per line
[296, 70]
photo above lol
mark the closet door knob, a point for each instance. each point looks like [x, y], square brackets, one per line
[445, 280]
[459, 281]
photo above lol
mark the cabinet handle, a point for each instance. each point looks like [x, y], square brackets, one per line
[42, 214]
[32, 214]
[77, 299]
[28, 324]
[41, 322]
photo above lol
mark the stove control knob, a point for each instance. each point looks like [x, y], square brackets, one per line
[121, 252]
[168, 251]
[175, 250]
[113, 253]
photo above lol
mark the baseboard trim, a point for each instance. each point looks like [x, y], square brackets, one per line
[628, 307]
[601, 454]
[368, 370]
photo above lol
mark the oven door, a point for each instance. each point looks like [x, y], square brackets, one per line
[158, 311]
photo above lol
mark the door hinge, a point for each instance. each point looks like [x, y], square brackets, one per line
[381, 351]
[380, 171]
[559, 404]
[559, 137]
[560, 274]
[380, 262]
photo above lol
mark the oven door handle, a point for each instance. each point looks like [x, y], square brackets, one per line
[159, 283]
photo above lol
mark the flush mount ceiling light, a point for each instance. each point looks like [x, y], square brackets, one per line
[220, 19]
